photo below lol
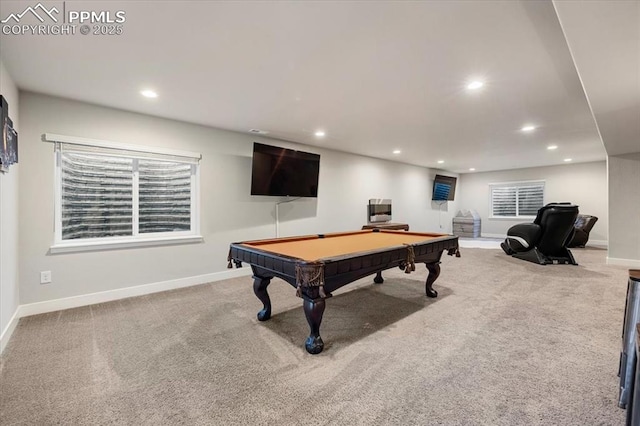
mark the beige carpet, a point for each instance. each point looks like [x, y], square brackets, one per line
[507, 342]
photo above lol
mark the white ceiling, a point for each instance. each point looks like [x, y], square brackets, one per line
[376, 76]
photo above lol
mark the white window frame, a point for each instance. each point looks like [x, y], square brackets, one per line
[517, 184]
[137, 239]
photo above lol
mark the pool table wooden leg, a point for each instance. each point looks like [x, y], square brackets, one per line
[378, 278]
[313, 310]
[260, 289]
[434, 272]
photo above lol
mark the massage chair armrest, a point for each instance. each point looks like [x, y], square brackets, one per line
[523, 236]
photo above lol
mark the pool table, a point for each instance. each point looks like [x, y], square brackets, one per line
[316, 265]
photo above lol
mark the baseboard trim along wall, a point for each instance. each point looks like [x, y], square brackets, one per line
[631, 263]
[111, 295]
[598, 243]
[8, 331]
[501, 236]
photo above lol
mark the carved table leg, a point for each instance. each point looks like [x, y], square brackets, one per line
[260, 289]
[378, 279]
[313, 310]
[434, 272]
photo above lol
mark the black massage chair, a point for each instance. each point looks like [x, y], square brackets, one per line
[545, 240]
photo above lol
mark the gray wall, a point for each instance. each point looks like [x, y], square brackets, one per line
[9, 215]
[229, 213]
[583, 184]
[624, 207]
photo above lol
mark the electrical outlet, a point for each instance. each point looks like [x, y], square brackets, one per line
[45, 277]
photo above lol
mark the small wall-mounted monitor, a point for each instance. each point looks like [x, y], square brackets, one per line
[379, 210]
[444, 188]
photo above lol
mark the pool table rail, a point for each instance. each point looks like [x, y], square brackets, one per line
[343, 269]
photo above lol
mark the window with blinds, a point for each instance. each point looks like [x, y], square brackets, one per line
[115, 194]
[521, 199]
[165, 196]
[97, 196]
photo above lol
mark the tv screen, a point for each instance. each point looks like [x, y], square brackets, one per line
[284, 172]
[444, 188]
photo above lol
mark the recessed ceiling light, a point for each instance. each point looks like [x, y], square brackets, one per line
[148, 93]
[472, 169]
[566, 160]
[440, 161]
[552, 147]
[320, 133]
[475, 85]
[396, 151]
[528, 128]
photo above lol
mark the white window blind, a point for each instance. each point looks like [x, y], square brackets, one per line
[97, 196]
[165, 196]
[112, 195]
[521, 199]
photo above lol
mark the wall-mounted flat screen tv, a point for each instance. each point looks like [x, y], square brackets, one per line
[284, 172]
[444, 188]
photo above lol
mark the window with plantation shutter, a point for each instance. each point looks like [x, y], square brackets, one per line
[165, 196]
[519, 199]
[97, 196]
[110, 195]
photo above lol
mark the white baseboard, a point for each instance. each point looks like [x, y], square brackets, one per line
[598, 243]
[631, 263]
[123, 293]
[8, 330]
[480, 243]
[501, 236]
[111, 295]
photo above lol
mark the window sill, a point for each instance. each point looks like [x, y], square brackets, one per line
[75, 247]
[519, 218]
